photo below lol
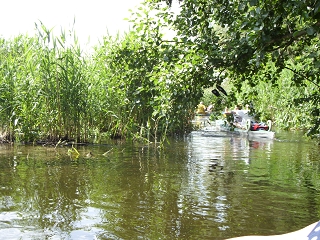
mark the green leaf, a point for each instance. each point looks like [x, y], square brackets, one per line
[317, 64]
[242, 6]
[310, 31]
[253, 2]
[295, 34]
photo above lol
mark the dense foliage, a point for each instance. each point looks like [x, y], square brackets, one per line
[44, 90]
[138, 86]
[254, 41]
[146, 84]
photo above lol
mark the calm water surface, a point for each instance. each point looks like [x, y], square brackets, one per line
[199, 187]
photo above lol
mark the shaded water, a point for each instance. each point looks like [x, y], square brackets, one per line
[199, 187]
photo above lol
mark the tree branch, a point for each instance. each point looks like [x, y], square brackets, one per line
[301, 75]
[294, 35]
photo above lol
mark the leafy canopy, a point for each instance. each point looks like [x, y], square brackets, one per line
[239, 38]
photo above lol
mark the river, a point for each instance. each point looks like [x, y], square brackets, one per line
[197, 187]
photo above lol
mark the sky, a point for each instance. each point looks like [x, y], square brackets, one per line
[93, 18]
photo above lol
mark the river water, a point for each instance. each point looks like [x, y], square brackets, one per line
[197, 187]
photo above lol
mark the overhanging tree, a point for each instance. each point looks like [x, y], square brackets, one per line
[238, 38]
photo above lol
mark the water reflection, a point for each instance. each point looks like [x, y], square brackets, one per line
[199, 187]
[211, 167]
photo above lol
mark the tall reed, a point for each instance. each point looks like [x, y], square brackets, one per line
[51, 90]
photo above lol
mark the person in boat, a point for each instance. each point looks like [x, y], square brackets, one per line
[210, 108]
[310, 232]
[237, 116]
[237, 108]
[201, 108]
[247, 109]
[240, 116]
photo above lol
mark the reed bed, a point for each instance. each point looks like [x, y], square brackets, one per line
[51, 90]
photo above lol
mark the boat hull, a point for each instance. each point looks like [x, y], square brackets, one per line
[258, 134]
[220, 129]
